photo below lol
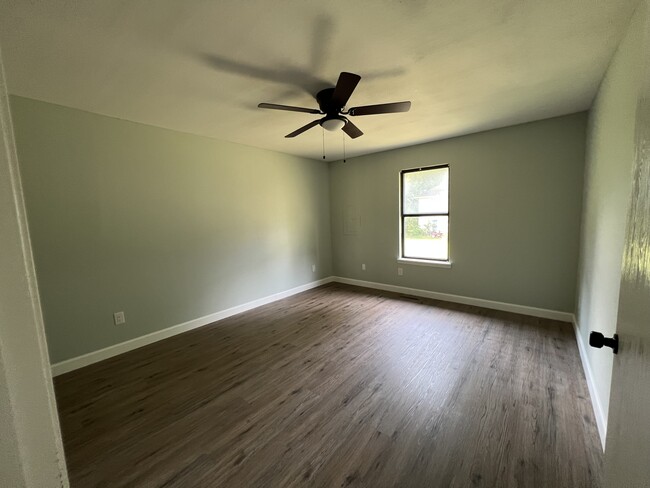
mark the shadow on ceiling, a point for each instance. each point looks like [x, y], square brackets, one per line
[297, 78]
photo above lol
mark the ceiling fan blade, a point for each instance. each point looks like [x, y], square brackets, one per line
[289, 108]
[303, 128]
[352, 130]
[382, 108]
[344, 88]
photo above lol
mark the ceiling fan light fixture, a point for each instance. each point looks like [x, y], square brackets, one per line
[332, 124]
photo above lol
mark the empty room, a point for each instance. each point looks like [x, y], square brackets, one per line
[325, 244]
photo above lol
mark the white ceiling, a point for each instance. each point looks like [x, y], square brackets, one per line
[203, 66]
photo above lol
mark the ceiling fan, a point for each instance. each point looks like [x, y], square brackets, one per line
[332, 104]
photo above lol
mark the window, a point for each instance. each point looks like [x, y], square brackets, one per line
[425, 214]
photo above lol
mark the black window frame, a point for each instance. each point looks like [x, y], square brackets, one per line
[403, 215]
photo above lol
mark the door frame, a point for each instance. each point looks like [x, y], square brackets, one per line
[30, 436]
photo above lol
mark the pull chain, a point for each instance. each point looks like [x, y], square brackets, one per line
[343, 147]
[323, 131]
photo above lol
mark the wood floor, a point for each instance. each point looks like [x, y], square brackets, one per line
[339, 387]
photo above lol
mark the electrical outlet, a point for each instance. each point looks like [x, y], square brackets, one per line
[119, 318]
[313, 268]
[363, 267]
[400, 272]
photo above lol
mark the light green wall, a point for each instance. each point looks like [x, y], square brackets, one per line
[169, 227]
[515, 199]
[165, 226]
[608, 181]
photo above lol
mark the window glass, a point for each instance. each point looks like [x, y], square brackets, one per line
[426, 238]
[426, 191]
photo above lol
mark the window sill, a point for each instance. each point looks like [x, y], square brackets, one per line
[424, 262]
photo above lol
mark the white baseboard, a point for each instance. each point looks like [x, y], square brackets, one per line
[108, 352]
[601, 420]
[479, 302]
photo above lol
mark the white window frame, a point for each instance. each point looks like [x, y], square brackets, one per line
[438, 263]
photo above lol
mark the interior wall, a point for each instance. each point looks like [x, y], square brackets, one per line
[608, 180]
[162, 225]
[515, 203]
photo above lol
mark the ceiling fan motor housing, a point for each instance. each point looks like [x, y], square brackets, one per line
[324, 99]
[332, 120]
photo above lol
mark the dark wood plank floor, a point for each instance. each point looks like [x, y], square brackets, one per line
[339, 386]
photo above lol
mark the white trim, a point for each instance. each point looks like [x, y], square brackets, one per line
[601, 420]
[479, 302]
[423, 262]
[31, 440]
[108, 352]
